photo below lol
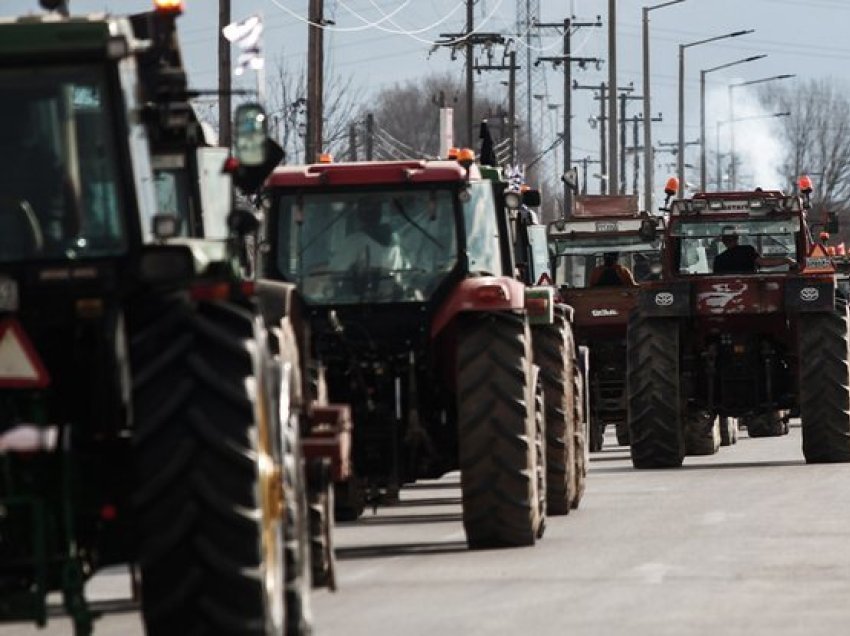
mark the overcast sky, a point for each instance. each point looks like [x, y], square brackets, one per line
[807, 38]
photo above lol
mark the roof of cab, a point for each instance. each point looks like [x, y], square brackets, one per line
[369, 173]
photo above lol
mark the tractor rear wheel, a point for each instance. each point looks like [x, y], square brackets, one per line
[321, 505]
[653, 392]
[767, 424]
[580, 419]
[623, 433]
[209, 499]
[825, 386]
[554, 353]
[497, 431]
[702, 434]
[597, 435]
[728, 430]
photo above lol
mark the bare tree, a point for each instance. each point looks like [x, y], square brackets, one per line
[287, 109]
[817, 138]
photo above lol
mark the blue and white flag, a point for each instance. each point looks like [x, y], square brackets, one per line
[247, 35]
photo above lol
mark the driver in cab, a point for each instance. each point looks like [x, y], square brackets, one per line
[743, 259]
[369, 244]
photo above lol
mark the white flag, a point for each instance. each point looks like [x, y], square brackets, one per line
[246, 35]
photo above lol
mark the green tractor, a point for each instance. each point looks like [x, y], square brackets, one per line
[150, 395]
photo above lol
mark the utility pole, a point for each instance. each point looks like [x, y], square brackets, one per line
[470, 63]
[370, 137]
[224, 72]
[512, 68]
[315, 80]
[600, 120]
[512, 105]
[567, 60]
[584, 163]
[352, 142]
[612, 103]
[637, 120]
[624, 98]
[469, 39]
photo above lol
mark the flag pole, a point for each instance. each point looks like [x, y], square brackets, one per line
[261, 72]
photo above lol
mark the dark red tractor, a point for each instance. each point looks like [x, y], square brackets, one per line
[603, 225]
[421, 322]
[758, 334]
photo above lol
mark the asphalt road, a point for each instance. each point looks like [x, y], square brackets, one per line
[749, 541]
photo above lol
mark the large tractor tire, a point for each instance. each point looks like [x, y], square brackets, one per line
[349, 499]
[497, 431]
[654, 396]
[209, 499]
[825, 386]
[728, 430]
[767, 424]
[597, 435]
[580, 410]
[554, 353]
[702, 434]
[321, 504]
[622, 433]
[297, 553]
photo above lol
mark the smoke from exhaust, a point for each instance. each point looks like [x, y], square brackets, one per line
[758, 145]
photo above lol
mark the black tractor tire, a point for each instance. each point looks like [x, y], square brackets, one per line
[622, 433]
[208, 502]
[728, 430]
[540, 451]
[597, 435]
[702, 435]
[653, 392]
[580, 410]
[497, 424]
[554, 354]
[825, 386]
[321, 504]
[295, 485]
[767, 424]
[349, 500]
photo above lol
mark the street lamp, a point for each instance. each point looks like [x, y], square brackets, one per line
[682, 48]
[734, 171]
[734, 121]
[647, 127]
[702, 144]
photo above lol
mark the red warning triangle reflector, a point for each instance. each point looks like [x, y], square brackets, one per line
[20, 365]
[818, 261]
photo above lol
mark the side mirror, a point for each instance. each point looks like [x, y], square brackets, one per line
[531, 198]
[570, 177]
[250, 130]
[831, 225]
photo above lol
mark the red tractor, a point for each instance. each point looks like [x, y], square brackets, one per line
[744, 323]
[600, 226]
[408, 271]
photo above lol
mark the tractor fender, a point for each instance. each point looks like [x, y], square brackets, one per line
[480, 294]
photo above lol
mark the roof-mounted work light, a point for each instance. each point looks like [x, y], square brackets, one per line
[174, 7]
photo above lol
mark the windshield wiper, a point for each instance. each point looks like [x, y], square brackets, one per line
[400, 207]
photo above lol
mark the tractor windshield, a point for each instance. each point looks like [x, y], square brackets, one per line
[577, 258]
[59, 192]
[701, 241]
[375, 247]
